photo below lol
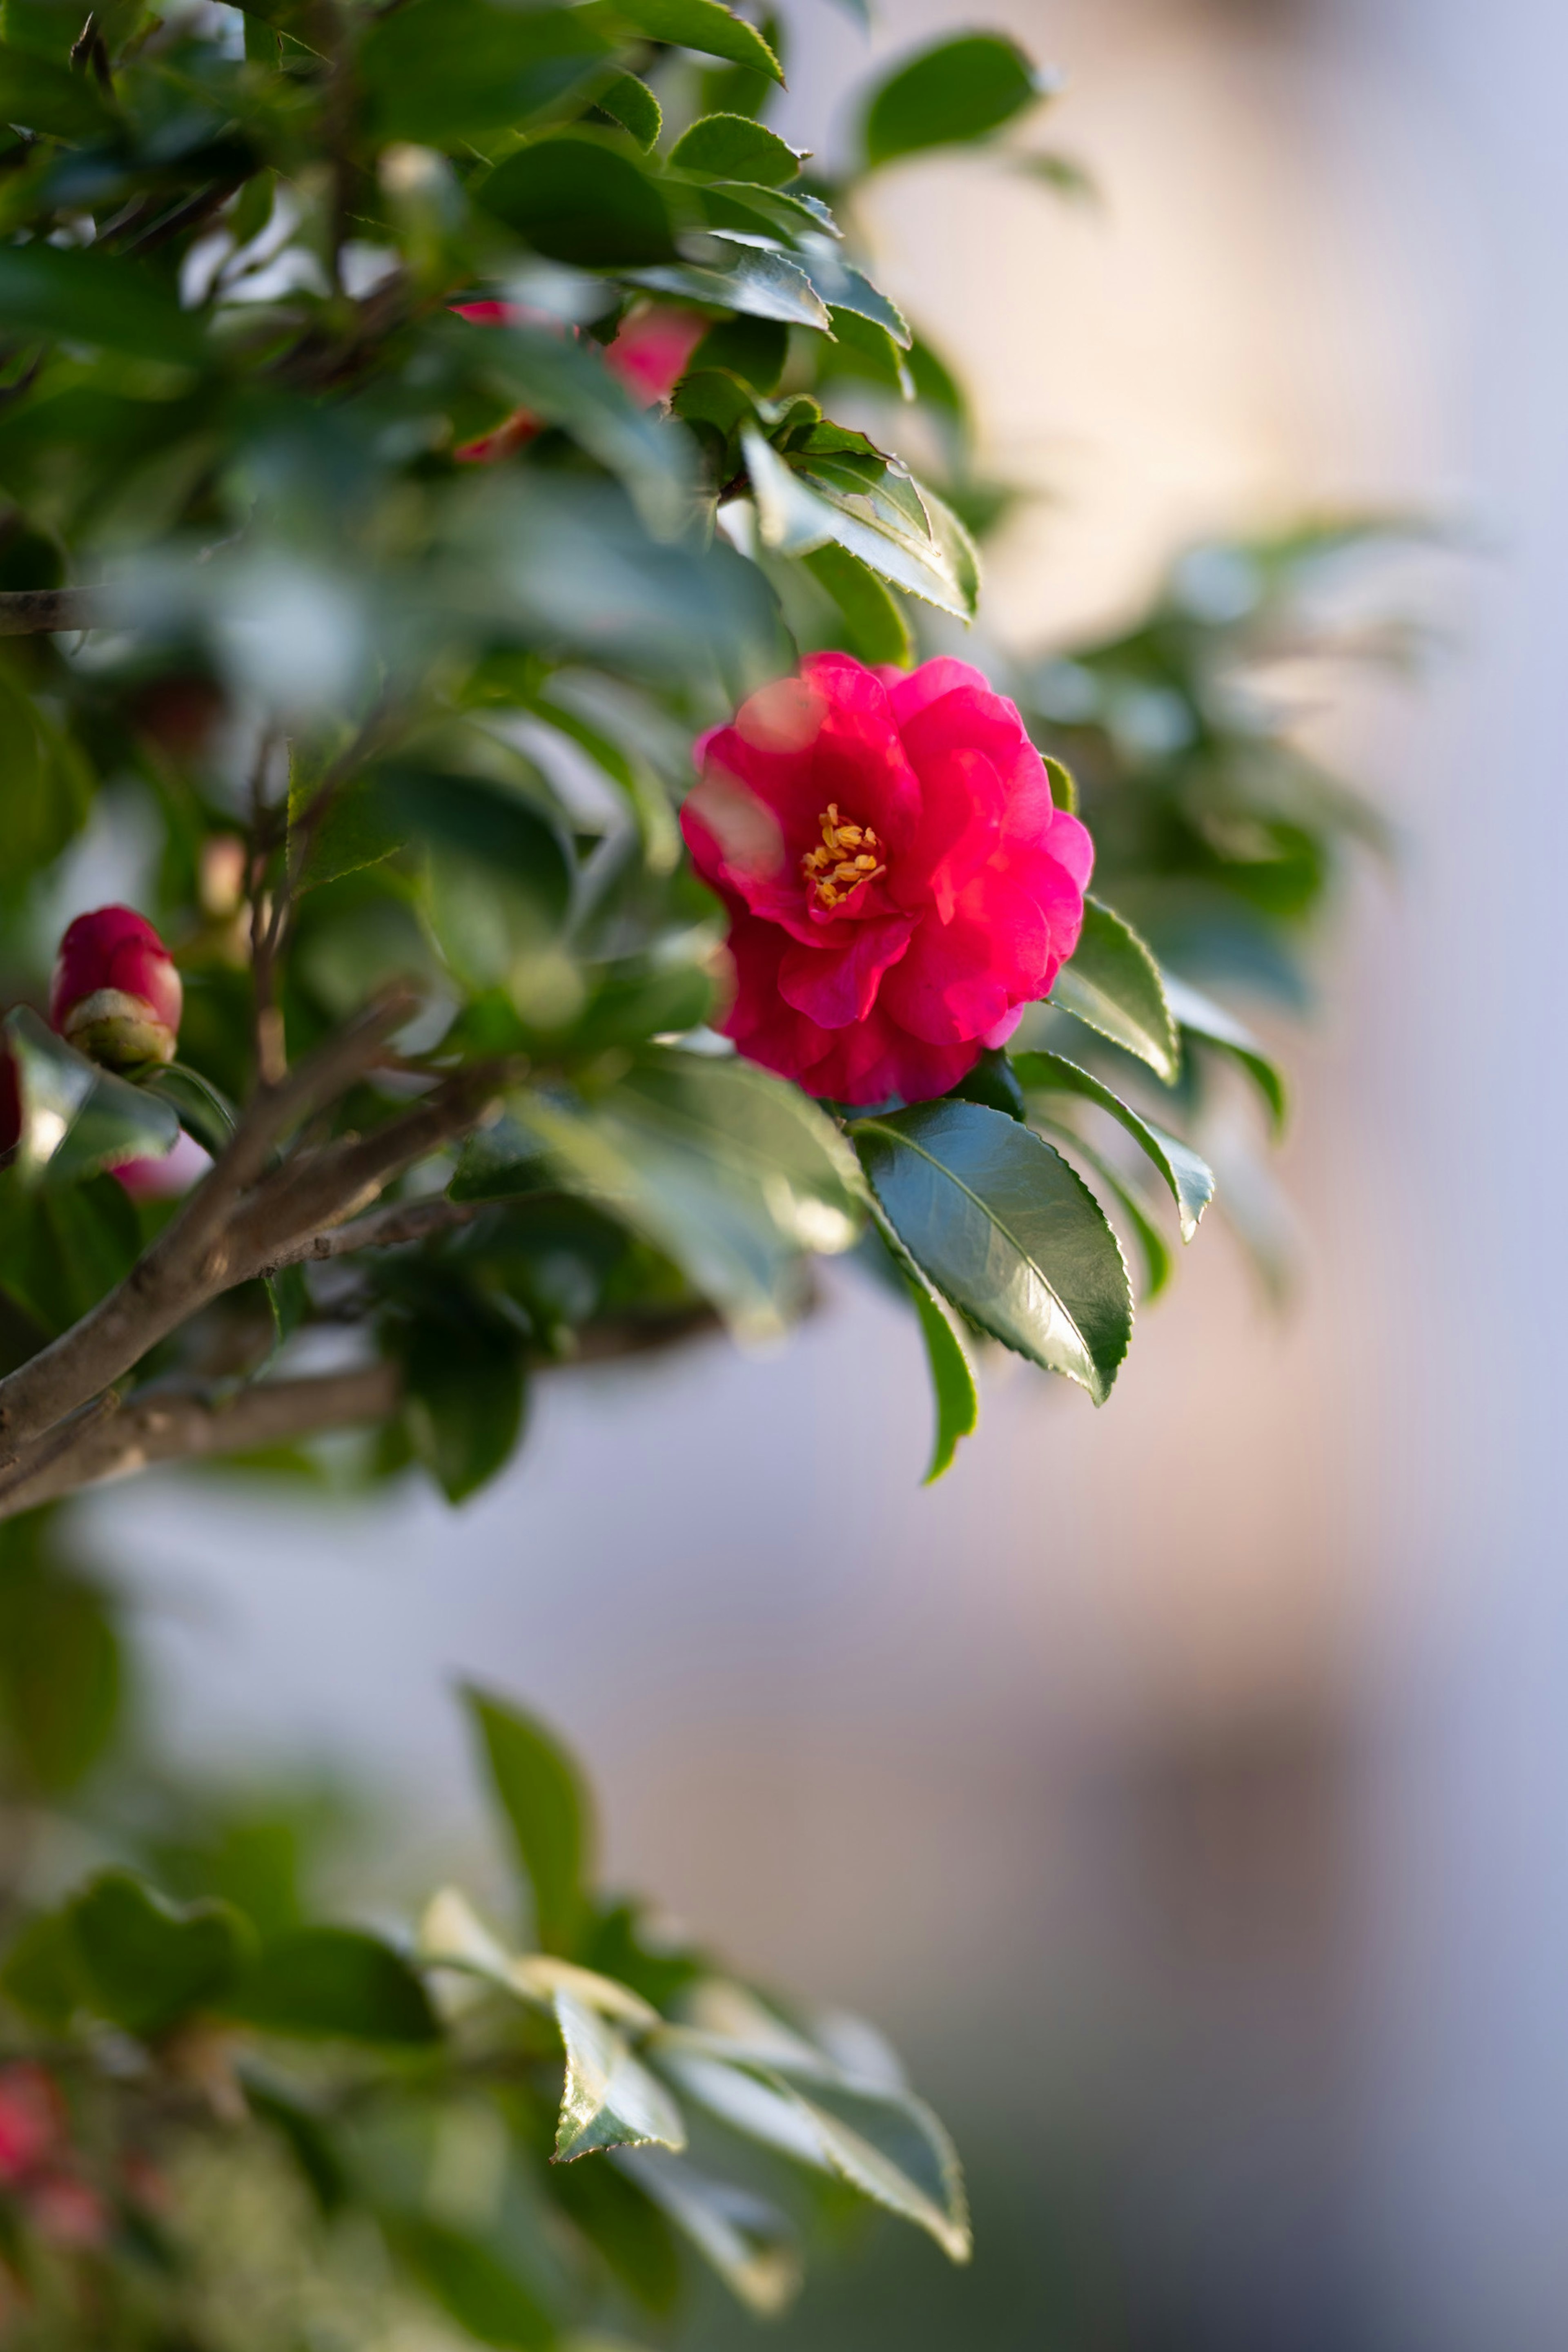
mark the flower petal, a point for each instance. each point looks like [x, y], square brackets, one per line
[836, 985]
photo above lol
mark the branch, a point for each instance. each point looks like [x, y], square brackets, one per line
[405, 1221]
[190, 1424]
[193, 1259]
[32, 612]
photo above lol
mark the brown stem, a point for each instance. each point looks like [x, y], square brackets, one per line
[34, 612]
[405, 1221]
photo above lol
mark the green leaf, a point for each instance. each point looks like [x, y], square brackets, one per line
[146, 1963]
[498, 1163]
[763, 285]
[1202, 1017]
[41, 1974]
[748, 2242]
[844, 287]
[440, 71]
[798, 516]
[1063, 783]
[753, 348]
[580, 200]
[547, 1809]
[499, 871]
[45, 96]
[729, 1171]
[875, 628]
[1158, 1264]
[49, 783]
[731, 147]
[1190, 1177]
[701, 24]
[334, 1984]
[953, 1389]
[886, 2142]
[955, 92]
[465, 1389]
[63, 1247]
[1004, 1227]
[610, 2099]
[634, 106]
[474, 2284]
[78, 1119]
[74, 294]
[1113, 983]
[60, 1671]
[201, 1108]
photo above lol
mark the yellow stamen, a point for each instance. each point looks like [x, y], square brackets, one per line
[846, 856]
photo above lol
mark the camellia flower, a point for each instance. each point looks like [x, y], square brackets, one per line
[899, 883]
[115, 995]
[649, 352]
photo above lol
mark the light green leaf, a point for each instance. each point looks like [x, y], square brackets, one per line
[452, 1935]
[750, 2244]
[950, 94]
[78, 1119]
[1190, 1177]
[733, 147]
[547, 1809]
[701, 24]
[1003, 1227]
[760, 284]
[1113, 983]
[634, 106]
[1204, 1018]
[610, 2100]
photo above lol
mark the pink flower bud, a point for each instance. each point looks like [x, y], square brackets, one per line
[115, 995]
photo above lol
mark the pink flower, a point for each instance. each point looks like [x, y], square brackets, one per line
[649, 353]
[32, 2119]
[115, 995]
[899, 884]
[167, 1178]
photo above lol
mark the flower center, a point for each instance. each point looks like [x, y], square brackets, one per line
[847, 856]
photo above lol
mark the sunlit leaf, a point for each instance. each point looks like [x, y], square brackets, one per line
[610, 2100]
[1113, 982]
[1202, 1017]
[1188, 1176]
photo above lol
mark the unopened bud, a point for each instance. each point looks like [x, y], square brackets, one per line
[115, 995]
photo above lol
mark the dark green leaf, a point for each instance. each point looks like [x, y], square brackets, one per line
[953, 92]
[41, 1974]
[730, 147]
[844, 287]
[875, 628]
[474, 2285]
[1003, 1227]
[500, 871]
[753, 348]
[953, 1389]
[62, 1248]
[1113, 982]
[60, 1672]
[82, 297]
[610, 2099]
[146, 1963]
[634, 106]
[78, 1119]
[1202, 1017]
[701, 24]
[440, 71]
[1156, 1256]
[48, 783]
[1188, 1176]
[580, 200]
[502, 1161]
[465, 1387]
[306, 2139]
[625, 2227]
[547, 1811]
[50, 98]
[334, 1984]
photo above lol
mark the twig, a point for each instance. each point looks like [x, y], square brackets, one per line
[64, 1439]
[36, 612]
[405, 1221]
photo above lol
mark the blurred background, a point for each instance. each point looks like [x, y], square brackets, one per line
[1181, 1784]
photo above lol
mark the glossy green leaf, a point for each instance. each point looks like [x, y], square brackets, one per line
[797, 516]
[875, 628]
[844, 287]
[78, 1119]
[453, 1936]
[610, 2099]
[702, 25]
[634, 106]
[582, 201]
[145, 1963]
[42, 96]
[474, 2284]
[440, 71]
[748, 2242]
[72, 294]
[955, 92]
[953, 1389]
[547, 1811]
[762, 285]
[1202, 1017]
[1188, 1176]
[1113, 982]
[732, 147]
[731, 1171]
[1002, 1225]
[334, 1984]
[1158, 1264]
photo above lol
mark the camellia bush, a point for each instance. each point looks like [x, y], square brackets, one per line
[456, 571]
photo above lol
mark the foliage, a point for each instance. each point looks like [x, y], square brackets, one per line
[385, 632]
